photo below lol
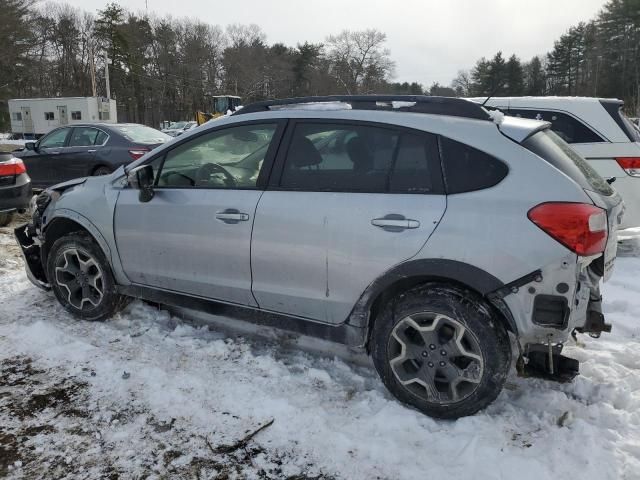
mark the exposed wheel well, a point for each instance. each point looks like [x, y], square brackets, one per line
[408, 283]
[58, 228]
[95, 169]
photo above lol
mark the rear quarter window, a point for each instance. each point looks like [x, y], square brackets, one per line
[557, 152]
[467, 169]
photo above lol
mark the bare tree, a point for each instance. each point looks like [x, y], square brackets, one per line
[358, 60]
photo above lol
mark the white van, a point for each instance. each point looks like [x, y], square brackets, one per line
[598, 130]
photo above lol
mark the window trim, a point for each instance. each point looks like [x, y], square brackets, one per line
[82, 146]
[603, 138]
[278, 167]
[267, 164]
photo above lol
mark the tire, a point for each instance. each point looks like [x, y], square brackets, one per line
[81, 278]
[5, 218]
[102, 171]
[456, 355]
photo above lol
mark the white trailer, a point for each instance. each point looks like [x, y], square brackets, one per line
[33, 117]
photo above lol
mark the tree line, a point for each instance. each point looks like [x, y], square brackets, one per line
[163, 68]
[596, 58]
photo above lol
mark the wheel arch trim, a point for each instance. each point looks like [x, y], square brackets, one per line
[414, 272]
[84, 222]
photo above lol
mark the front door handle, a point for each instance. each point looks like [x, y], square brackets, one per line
[231, 215]
[395, 223]
[91, 151]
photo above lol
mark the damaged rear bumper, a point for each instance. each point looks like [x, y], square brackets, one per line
[29, 245]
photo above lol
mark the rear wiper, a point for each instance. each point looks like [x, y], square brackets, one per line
[610, 180]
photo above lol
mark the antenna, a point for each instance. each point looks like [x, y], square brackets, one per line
[492, 93]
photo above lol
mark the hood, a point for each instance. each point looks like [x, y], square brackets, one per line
[69, 183]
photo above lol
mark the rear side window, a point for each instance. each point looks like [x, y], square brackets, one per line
[361, 158]
[467, 169]
[568, 128]
[557, 152]
[416, 167]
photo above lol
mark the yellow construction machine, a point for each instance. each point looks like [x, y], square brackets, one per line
[220, 105]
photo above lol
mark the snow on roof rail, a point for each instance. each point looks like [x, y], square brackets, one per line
[456, 107]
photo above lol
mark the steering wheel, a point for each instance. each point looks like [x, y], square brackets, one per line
[203, 175]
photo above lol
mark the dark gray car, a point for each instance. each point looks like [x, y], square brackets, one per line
[84, 150]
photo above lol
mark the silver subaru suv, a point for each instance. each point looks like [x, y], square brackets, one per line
[441, 239]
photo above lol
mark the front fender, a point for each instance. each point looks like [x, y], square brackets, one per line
[84, 222]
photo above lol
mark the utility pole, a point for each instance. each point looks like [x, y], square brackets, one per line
[92, 68]
[106, 75]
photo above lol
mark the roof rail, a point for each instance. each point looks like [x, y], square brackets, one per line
[456, 107]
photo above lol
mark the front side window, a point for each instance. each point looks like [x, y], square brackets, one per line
[566, 127]
[55, 139]
[228, 158]
[84, 137]
[49, 116]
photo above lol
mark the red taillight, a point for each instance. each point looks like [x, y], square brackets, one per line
[136, 153]
[631, 165]
[13, 166]
[580, 227]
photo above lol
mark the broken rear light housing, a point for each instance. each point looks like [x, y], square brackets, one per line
[12, 167]
[580, 227]
[136, 153]
[631, 165]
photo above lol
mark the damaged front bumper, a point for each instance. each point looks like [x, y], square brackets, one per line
[27, 239]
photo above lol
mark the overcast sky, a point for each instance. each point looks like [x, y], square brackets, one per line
[429, 40]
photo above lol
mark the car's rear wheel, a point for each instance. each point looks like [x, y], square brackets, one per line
[5, 218]
[101, 171]
[81, 278]
[438, 348]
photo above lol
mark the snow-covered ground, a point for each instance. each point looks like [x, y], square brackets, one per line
[147, 395]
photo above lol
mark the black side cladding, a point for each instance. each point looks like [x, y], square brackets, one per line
[456, 107]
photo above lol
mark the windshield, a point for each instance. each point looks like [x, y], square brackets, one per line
[558, 153]
[142, 134]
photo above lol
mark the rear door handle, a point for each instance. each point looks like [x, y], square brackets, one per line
[395, 223]
[231, 215]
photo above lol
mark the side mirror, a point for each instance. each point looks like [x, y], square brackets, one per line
[30, 146]
[141, 178]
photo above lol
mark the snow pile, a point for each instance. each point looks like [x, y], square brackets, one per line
[192, 394]
[314, 106]
[497, 116]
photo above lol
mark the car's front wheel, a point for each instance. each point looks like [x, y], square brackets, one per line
[439, 349]
[81, 278]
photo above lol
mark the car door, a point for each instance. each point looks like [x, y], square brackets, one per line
[41, 161]
[346, 203]
[78, 157]
[194, 235]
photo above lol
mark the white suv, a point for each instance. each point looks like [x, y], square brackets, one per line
[598, 130]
